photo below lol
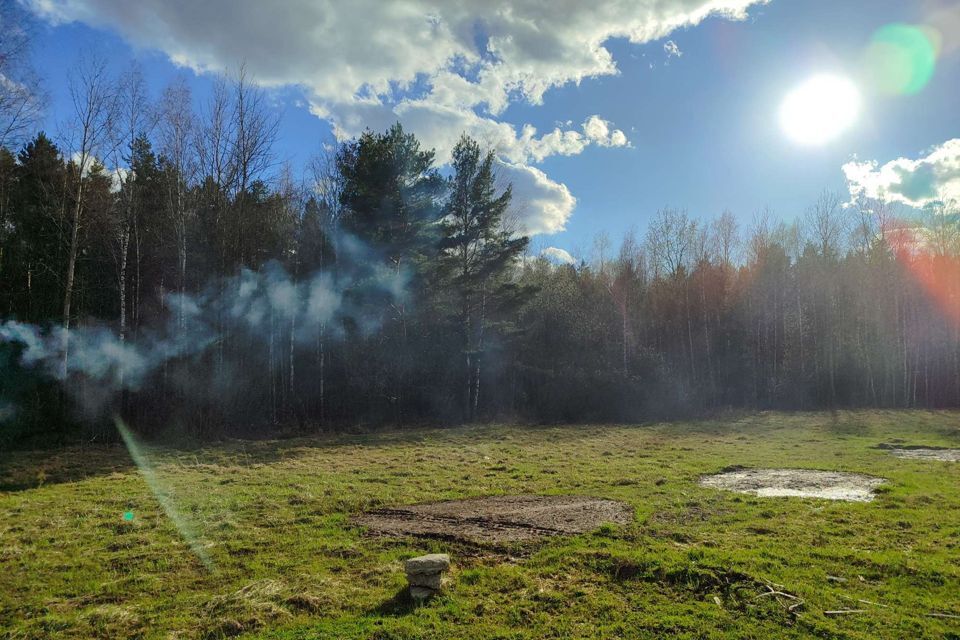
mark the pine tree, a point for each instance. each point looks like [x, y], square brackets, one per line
[35, 244]
[391, 198]
[477, 253]
[391, 193]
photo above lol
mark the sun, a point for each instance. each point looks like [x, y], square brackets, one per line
[820, 109]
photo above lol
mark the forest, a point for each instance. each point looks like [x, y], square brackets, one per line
[159, 261]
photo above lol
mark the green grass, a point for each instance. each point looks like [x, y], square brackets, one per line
[86, 551]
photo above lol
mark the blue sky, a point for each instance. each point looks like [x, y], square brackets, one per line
[702, 128]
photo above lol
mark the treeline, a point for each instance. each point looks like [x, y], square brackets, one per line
[433, 307]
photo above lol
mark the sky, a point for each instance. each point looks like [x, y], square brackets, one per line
[602, 113]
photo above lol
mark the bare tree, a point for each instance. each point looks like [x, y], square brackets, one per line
[725, 240]
[601, 247]
[291, 194]
[865, 224]
[670, 240]
[941, 229]
[21, 102]
[94, 100]
[327, 186]
[255, 131]
[759, 236]
[826, 225]
[234, 148]
[701, 245]
[176, 124]
[134, 119]
[213, 138]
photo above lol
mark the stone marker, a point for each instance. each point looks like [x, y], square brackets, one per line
[425, 573]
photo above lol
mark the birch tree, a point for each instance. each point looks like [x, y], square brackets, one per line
[176, 128]
[254, 134]
[134, 121]
[93, 98]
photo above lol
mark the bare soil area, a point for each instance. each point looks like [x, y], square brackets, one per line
[498, 520]
[940, 454]
[801, 483]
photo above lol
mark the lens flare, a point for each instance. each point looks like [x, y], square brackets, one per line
[937, 273]
[901, 58]
[184, 528]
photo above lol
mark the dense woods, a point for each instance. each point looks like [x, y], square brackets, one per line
[168, 266]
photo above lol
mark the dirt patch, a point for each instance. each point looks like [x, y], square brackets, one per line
[498, 520]
[801, 483]
[940, 454]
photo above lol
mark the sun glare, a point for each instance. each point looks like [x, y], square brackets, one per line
[820, 109]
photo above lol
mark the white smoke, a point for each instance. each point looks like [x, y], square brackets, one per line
[254, 306]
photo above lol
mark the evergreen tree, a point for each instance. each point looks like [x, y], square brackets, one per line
[36, 235]
[148, 228]
[391, 194]
[477, 254]
[391, 198]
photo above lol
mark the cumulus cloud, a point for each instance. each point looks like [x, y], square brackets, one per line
[558, 256]
[117, 175]
[89, 163]
[541, 205]
[441, 67]
[368, 46]
[917, 183]
[671, 49]
[440, 126]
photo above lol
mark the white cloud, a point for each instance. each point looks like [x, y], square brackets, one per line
[557, 255]
[671, 49]
[541, 204]
[117, 175]
[439, 127]
[931, 178]
[439, 66]
[473, 51]
[88, 163]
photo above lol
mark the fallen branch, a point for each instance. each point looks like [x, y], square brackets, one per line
[862, 601]
[943, 615]
[773, 592]
[840, 612]
[777, 593]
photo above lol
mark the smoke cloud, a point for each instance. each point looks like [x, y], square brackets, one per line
[252, 308]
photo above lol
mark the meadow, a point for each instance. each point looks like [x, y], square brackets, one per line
[254, 538]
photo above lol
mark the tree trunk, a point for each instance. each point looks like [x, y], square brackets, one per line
[122, 280]
[71, 269]
[476, 393]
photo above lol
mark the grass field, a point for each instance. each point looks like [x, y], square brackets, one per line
[88, 551]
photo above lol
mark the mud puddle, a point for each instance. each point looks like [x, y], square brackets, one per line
[801, 483]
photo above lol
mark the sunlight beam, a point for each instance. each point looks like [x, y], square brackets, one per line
[184, 528]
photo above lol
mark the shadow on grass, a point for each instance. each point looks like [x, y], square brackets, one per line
[24, 470]
[400, 604]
